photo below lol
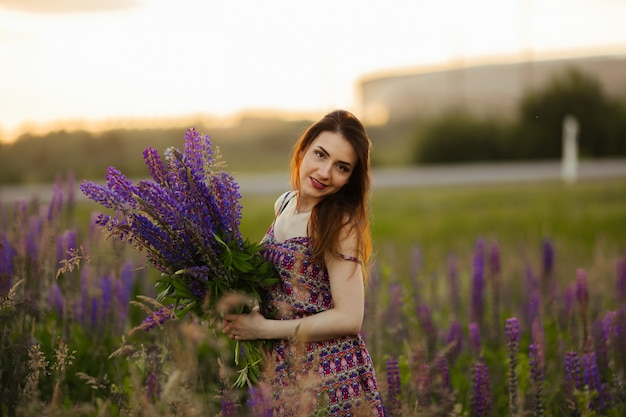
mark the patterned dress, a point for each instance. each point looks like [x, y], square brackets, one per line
[344, 383]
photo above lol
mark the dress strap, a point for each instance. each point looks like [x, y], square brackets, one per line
[283, 204]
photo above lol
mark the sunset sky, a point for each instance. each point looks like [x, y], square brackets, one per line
[119, 59]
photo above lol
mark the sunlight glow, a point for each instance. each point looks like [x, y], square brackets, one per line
[174, 59]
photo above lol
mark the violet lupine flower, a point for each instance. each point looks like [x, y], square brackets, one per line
[512, 344]
[394, 391]
[474, 339]
[260, 401]
[393, 315]
[455, 341]
[154, 368]
[66, 243]
[55, 206]
[228, 405]
[453, 280]
[478, 283]
[443, 371]
[573, 377]
[591, 379]
[425, 319]
[57, 300]
[600, 338]
[582, 296]
[547, 258]
[480, 402]
[535, 355]
[414, 269]
[496, 284]
[620, 281]
[423, 385]
[157, 318]
[7, 254]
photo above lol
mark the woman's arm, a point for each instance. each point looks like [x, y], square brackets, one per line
[345, 318]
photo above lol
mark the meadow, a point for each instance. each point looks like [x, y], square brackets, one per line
[489, 300]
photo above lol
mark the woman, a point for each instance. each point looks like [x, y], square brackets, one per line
[319, 243]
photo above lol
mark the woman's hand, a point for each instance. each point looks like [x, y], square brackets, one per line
[244, 326]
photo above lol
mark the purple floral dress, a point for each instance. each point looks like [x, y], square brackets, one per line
[344, 382]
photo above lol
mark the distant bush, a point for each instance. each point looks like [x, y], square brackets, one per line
[602, 130]
[252, 145]
[460, 137]
[536, 133]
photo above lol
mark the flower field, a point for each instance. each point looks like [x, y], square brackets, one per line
[485, 301]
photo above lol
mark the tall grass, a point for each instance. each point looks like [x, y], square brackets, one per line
[493, 300]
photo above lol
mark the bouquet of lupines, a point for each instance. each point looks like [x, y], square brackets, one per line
[186, 220]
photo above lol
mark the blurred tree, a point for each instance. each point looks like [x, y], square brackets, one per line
[460, 137]
[541, 112]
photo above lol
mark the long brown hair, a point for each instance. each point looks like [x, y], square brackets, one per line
[349, 205]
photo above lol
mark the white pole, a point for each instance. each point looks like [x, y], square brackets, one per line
[569, 164]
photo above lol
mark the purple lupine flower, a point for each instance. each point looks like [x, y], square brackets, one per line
[532, 283]
[495, 278]
[582, 296]
[455, 341]
[453, 280]
[57, 300]
[66, 243]
[474, 339]
[197, 152]
[155, 165]
[70, 184]
[153, 371]
[121, 186]
[478, 282]
[573, 377]
[106, 295]
[394, 309]
[600, 337]
[423, 385]
[512, 344]
[547, 258]
[533, 312]
[536, 374]
[494, 259]
[425, 319]
[7, 254]
[591, 378]
[226, 191]
[443, 371]
[480, 402]
[414, 269]
[394, 392]
[32, 238]
[620, 281]
[228, 405]
[260, 401]
[55, 206]
[157, 318]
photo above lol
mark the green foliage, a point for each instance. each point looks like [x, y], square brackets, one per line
[41, 158]
[602, 131]
[459, 137]
[536, 133]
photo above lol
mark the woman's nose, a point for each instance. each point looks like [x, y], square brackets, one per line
[324, 170]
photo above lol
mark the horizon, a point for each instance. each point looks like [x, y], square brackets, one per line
[112, 63]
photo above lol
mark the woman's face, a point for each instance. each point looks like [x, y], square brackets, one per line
[326, 166]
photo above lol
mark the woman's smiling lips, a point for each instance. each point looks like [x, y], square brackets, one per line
[315, 183]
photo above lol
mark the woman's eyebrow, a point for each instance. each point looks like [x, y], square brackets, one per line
[325, 152]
